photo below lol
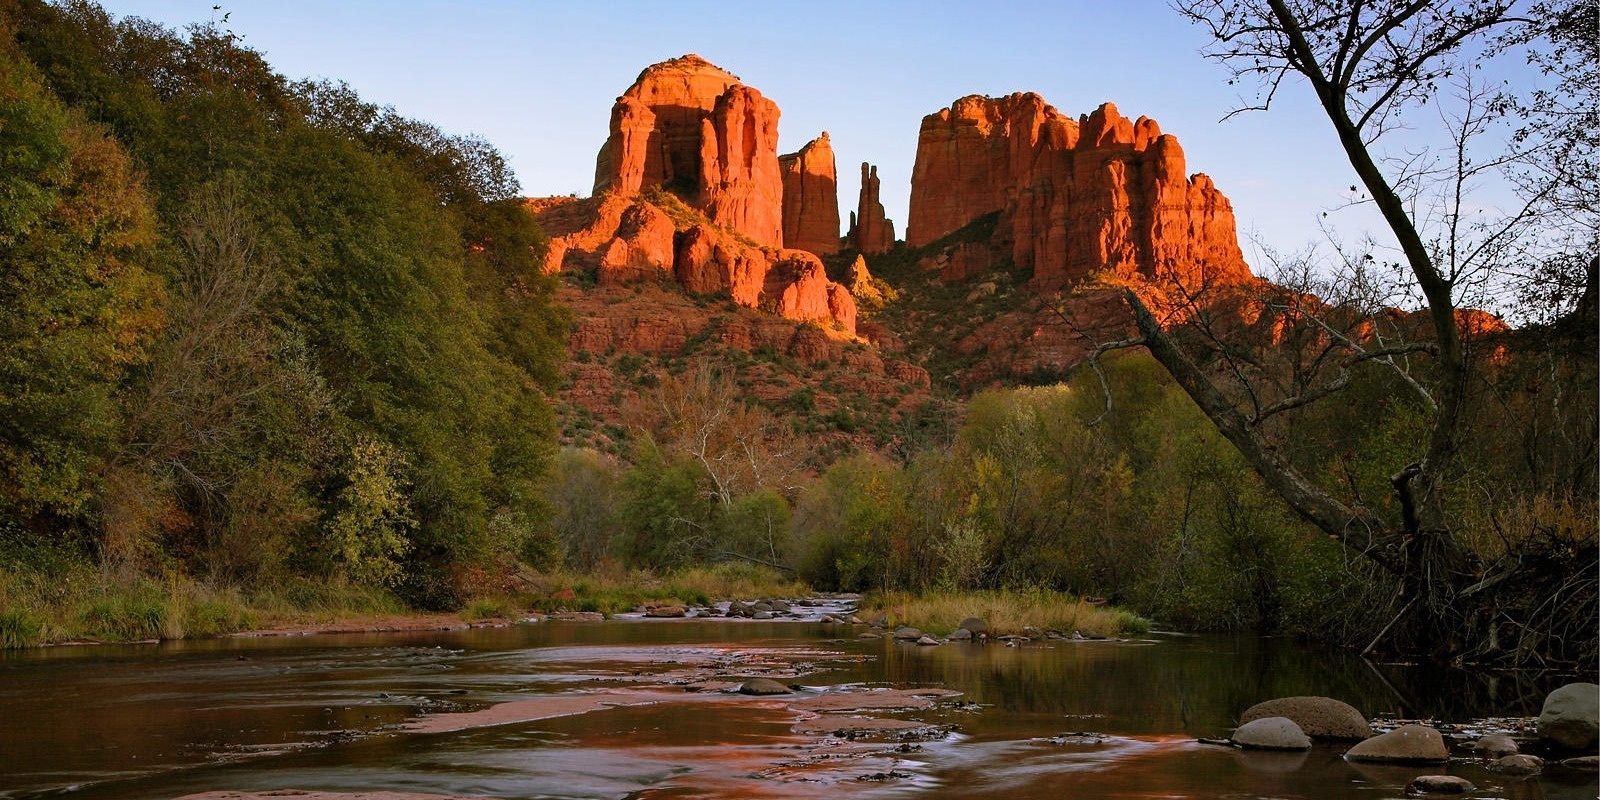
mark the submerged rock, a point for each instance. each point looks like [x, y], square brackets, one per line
[1517, 764]
[1571, 716]
[1272, 733]
[1319, 717]
[1495, 745]
[763, 686]
[1439, 784]
[1407, 744]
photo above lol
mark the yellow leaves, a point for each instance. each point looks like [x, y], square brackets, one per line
[367, 534]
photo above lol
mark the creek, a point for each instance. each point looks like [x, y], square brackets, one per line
[634, 709]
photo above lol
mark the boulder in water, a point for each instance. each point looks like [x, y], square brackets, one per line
[1407, 744]
[1319, 717]
[762, 686]
[1570, 718]
[1271, 733]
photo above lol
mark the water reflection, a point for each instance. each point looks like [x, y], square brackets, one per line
[321, 713]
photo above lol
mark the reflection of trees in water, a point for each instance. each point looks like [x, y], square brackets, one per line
[1198, 685]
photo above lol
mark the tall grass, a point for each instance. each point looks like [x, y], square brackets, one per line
[611, 592]
[51, 594]
[1006, 612]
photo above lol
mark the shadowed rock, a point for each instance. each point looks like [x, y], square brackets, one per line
[1571, 716]
[1407, 744]
[762, 687]
[1271, 733]
[1319, 717]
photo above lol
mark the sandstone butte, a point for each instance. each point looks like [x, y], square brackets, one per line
[1100, 195]
[689, 128]
[811, 198]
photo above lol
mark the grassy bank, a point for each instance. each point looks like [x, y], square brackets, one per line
[624, 590]
[1006, 612]
[68, 599]
[87, 604]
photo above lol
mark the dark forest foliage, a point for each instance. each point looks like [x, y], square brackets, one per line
[257, 329]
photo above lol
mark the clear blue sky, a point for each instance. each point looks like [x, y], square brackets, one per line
[538, 78]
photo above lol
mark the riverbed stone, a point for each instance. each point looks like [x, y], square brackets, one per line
[974, 625]
[1439, 784]
[927, 641]
[665, 611]
[1319, 717]
[762, 615]
[960, 635]
[762, 686]
[1517, 764]
[1570, 718]
[908, 633]
[1582, 763]
[1407, 744]
[1271, 733]
[1495, 745]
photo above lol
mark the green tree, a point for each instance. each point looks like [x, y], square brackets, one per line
[80, 304]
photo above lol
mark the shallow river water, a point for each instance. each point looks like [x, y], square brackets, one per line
[634, 709]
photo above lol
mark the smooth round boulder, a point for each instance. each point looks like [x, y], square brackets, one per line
[1319, 717]
[908, 633]
[1570, 718]
[1517, 764]
[960, 635]
[762, 686]
[974, 625]
[1407, 744]
[1439, 784]
[1494, 746]
[1271, 733]
[762, 615]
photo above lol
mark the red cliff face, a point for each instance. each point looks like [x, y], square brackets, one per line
[1075, 197]
[693, 129]
[870, 230]
[811, 198]
[690, 126]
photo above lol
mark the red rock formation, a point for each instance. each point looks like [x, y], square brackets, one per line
[656, 126]
[741, 187]
[811, 198]
[690, 126]
[1099, 194]
[693, 129]
[642, 247]
[870, 230]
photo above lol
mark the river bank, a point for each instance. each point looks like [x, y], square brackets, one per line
[86, 606]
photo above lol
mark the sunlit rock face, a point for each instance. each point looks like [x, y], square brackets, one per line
[709, 145]
[1099, 194]
[811, 198]
[693, 128]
